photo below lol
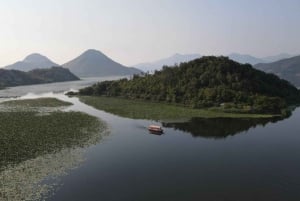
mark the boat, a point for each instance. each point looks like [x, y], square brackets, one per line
[154, 129]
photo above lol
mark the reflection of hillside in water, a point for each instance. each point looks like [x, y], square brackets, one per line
[218, 127]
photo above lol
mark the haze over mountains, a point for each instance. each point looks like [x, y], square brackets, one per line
[179, 58]
[169, 61]
[31, 62]
[245, 58]
[288, 69]
[283, 65]
[93, 63]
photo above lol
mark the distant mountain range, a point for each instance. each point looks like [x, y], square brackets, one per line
[288, 69]
[179, 58]
[93, 63]
[283, 65]
[278, 57]
[31, 62]
[9, 78]
[169, 61]
[245, 58]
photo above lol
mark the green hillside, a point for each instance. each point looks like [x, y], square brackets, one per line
[10, 78]
[206, 82]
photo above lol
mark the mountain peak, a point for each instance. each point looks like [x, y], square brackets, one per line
[92, 52]
[94, 63]
[31, 62]
[36, 57]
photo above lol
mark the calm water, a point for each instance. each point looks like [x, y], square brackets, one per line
[52, 87]
[204, 159]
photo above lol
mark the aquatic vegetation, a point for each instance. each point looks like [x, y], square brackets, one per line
[26, 180]
[36, 147]
[138, 109]
[40, 102]
[26, 135]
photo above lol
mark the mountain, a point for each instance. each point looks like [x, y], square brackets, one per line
[53, 74]
[10, 78]
[278, 57]
[206, 82]
[93, 63]
[288, 69]
[170, 61]
[245, 58]
[179, 58]
[31, 62]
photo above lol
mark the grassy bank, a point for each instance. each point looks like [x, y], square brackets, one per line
[40, 102]
[27, 134]
[137, 109]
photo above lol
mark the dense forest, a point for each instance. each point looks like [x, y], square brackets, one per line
[9, 78]
[206, 82]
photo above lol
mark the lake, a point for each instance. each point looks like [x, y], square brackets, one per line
[203, 159]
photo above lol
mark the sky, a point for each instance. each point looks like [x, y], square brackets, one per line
[135, 31]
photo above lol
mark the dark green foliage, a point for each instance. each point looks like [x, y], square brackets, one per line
[269, 104]
[71, 93]
[26, 135]
[14, 78]
[54, 74]
[206, 82]
[10, 78]
[40, 102]
[140, 109]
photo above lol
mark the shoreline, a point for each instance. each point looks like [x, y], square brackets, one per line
[139, 109]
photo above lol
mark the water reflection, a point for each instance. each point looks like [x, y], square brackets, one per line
[155, 133]
[218, 127]
[140, 166]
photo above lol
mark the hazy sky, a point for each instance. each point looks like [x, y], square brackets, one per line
[133, 31]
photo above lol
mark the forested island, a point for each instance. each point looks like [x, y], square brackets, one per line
[204, 83]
